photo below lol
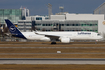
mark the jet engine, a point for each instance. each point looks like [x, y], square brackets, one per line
[65, 40]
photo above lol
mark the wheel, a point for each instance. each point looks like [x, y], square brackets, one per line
[53, 42]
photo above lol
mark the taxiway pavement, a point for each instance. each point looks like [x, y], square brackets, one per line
[51, 61]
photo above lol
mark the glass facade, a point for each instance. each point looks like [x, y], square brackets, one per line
[38, 18]
[82, 25]
[85, 25]
[24, 26]
[12, 14]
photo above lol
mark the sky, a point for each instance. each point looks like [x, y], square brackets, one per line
[39, 7]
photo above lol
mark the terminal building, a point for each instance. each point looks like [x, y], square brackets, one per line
[13, 14]
[59, 22]
[29, 23]
[65, 22]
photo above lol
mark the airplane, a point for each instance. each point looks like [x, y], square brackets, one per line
[53, 37]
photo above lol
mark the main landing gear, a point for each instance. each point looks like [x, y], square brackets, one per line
[53, 42]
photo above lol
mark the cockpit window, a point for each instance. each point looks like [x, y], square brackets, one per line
[98, 34]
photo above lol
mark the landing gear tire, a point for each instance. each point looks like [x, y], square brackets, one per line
[53, 42]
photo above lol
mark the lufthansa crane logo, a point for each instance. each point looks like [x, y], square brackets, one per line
[103, 22]
[12, 29]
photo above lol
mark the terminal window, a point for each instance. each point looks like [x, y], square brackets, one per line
[38, 18]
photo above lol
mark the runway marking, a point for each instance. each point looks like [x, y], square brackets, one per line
[51, 61]
[44, 53]
[52, 45]
[59, 47]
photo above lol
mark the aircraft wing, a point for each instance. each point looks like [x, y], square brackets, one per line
[52, 37]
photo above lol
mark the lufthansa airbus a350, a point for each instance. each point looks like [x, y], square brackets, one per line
[64, 37]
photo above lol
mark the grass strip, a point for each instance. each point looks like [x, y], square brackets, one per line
[51, 67]
[52, 50]
[53, 56]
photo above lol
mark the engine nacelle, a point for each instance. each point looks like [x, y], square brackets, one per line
[65, 40]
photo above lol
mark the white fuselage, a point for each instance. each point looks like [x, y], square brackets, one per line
[72, 35]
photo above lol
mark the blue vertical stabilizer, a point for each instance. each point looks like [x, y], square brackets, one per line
[14, 31]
